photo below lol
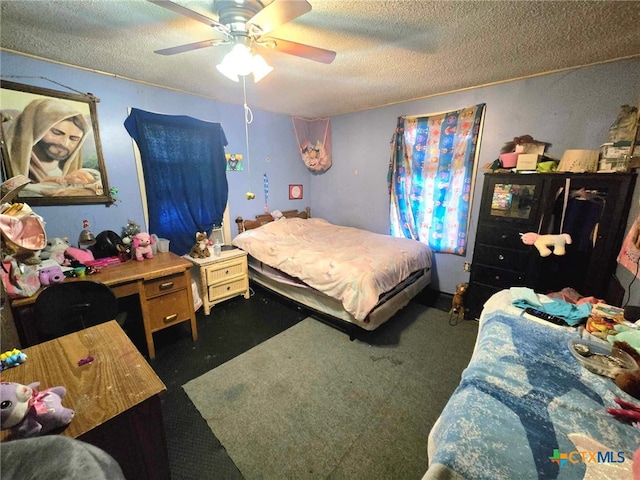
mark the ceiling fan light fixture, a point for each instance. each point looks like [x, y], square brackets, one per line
[240, 62]
[260, 68]
[228, 70]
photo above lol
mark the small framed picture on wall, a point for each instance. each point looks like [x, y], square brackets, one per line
[295, 192]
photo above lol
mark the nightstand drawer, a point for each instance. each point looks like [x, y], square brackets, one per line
[501, 257]
[227, 270]
[168, 309]
[227, 289]
[164, 285]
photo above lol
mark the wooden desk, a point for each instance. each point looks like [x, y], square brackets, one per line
[115, 397]
[162, 283]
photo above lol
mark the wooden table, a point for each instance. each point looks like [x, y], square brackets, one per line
[115, 397]
[162, 284]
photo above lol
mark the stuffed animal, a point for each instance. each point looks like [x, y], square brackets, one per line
[457, 304]
[543, 242]
[12, 358]
[55, 249]
[142, 246]
[29, 412]
[200, 248]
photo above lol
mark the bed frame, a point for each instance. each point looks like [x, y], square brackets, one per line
[327, 309]
[263, 218]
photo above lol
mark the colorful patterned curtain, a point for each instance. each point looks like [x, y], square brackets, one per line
[430, 177]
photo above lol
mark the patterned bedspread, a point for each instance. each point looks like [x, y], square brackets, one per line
[351, 265]
[525, 409]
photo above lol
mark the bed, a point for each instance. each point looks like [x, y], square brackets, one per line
[526, 409]
[355, 279]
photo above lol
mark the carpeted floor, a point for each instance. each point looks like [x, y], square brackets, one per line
[233, 328]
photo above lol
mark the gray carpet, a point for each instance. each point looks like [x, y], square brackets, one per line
[310, 404]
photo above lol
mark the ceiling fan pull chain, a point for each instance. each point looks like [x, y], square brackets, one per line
[248, 118]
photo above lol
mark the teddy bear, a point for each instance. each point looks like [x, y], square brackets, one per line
[200, 248]
[142, 246]
[543, 242]
[55, 249]
[28, 412]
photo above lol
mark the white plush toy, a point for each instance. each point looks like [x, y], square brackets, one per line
[543, 242]
[55, 249]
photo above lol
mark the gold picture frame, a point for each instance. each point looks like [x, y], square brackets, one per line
[53, 138]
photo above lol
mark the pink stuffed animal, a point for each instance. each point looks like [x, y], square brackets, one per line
[28, 412]
[142, 246]
[543, 242]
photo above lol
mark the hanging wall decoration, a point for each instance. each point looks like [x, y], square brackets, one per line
[52, 138]
[314, 141]
[234, 162]
[265, 182]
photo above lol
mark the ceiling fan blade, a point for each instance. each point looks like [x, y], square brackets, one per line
[300, 50]
[188, 13]
[278, 13]
[188, 47]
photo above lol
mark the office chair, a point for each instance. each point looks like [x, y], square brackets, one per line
[67, 307]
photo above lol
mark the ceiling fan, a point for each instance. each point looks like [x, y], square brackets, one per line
[248, 22]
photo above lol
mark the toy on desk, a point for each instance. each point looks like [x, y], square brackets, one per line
[543, 242]
[12, 358]
[28, 412]
[55, 249]
[50, 275]
[201, 248]
[142, 246]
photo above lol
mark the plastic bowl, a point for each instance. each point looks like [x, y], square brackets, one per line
[623, 362]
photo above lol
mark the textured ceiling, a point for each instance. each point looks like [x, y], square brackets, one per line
[388, 51]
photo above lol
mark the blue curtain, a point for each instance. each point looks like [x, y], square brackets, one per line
[184, 169]
[430, 177]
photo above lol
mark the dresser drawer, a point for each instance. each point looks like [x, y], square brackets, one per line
[164, 285]
[225, 271]
[500, 236]
[224, 290]
[498, 277]
[169, 309]
[501, 257]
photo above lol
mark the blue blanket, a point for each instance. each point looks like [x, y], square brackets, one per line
[525, 407]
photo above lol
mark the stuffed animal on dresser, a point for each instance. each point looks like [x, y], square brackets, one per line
[200, 248]
[142, 246]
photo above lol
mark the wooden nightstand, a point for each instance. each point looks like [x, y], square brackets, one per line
[223, 277]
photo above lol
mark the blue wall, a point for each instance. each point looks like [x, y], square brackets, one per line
[572, 109]
[273, 147]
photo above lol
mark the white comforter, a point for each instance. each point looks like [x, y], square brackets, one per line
[351, 265]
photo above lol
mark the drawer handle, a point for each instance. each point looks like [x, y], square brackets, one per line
[226, 272]
[166, 286]
[504, 236]
[170, 318]
[497, 277]
[228, 287]
[500, 257]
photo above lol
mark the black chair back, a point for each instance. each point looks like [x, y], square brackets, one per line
[67, 307]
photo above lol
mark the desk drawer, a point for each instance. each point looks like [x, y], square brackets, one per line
[164, 285]
[224, 290]
[227, 270]
[169, 309]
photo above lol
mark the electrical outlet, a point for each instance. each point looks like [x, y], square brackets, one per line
[466, 267]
